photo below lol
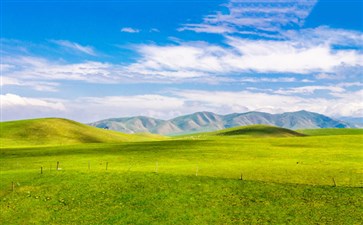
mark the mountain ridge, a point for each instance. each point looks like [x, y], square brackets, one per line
[209, 121]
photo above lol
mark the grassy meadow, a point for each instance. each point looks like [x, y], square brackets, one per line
[253, 175]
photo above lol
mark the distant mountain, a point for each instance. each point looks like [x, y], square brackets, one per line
[354, 121]
[208, 121]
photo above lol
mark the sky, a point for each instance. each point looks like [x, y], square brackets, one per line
[92, 60]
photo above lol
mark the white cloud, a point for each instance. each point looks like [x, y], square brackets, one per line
[75, 47]
[88, 109]
[154, 30]
[5, 67]
[261, 16]
[205, 28]
[10, 100]
[203, 62]
[31, 68]
[35, 85]
[200, 59]
[116, 106]
[325, 76]
[15, 107]
[129, 30]
[350, 84]
[310, 90]
[289, 56]
[196, 62]
[326, 35]
[269, 80]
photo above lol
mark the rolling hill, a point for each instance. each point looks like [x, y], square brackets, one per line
[208, 121]
[259, 131]
[55, 131]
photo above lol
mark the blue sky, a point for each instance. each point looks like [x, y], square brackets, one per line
[91, 60]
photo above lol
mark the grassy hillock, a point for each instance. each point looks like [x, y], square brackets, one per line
[56, 131]
[258, 131]
[253, 131]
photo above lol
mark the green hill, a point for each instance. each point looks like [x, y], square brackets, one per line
[56, 131]
[258, 131]
[248, 131]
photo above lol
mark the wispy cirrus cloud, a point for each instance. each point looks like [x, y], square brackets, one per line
[154, 30]
[73, 46]
[39, 68]
[254, 15]
[129, 30]
[310, 90]
[326, 35]
[271, 80]
[35, 85]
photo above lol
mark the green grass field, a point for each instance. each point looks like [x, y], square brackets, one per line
[193, 179]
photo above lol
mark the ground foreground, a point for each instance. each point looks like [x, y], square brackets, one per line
[195, 179]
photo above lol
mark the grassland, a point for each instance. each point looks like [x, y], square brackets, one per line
[193, 179]
[332, 131]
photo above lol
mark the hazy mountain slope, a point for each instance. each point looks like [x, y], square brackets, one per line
[249, 118]
[200, 121]
[305, 119]
[207, 121]
[353, 121]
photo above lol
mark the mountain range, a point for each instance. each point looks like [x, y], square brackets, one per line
[208, 121]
